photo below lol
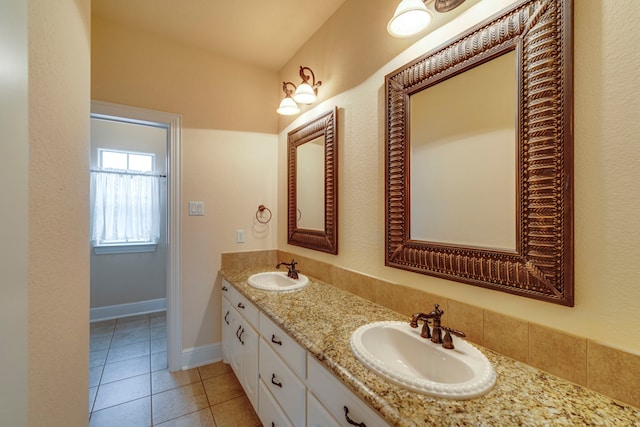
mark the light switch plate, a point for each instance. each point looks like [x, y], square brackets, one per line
[196, 208]
[239, 236]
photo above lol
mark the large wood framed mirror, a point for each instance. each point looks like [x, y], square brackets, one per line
[479, 156]
[312, 184]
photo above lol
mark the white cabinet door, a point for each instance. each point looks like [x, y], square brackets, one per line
[248, 339]
[227, 333]
[269, 411]
[344, 406]
[317, 416]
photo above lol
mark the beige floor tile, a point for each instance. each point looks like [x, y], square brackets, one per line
[130, 351]
[94, 375]
[159, 345]
[223, 387]
[236, 412]
[159, 361]
[102, 324]
[100, 342]
[164, 380]
[122, 391]
[136, 413]
[130, 336]
[177, 402]
[213, 370]
[98, 358]
[125, 369]
[202, 418]
[92, 396]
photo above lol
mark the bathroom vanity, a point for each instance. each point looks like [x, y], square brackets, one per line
[290, 351]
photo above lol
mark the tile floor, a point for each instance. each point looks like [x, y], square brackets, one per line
[130, 385]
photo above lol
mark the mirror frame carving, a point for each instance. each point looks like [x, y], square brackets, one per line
[540, 32]
[321, 240]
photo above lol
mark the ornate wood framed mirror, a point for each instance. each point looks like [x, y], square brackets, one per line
[312, 184]
[474, 197]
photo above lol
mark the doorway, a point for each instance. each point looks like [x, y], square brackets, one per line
[171, 126]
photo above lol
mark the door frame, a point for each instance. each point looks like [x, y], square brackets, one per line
[173, 124]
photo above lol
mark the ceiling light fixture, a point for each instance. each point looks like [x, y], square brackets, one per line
[305, 93]
[412, 16]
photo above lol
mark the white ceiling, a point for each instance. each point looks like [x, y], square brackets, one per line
[266, 33]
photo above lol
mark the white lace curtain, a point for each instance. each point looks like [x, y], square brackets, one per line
[126, 207]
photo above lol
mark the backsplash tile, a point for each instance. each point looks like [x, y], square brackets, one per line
[466, 318]
[558, 353]
[612, 372]
[506, 335]
[236, 260]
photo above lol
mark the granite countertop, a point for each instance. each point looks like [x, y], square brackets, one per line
[321, 318]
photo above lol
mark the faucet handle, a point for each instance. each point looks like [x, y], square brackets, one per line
[426, 333]
[447, 341]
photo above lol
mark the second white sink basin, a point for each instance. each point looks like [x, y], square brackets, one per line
[398, 353]
[277, 281]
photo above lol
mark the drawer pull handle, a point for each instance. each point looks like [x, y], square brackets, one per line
[274, 340]
[240, 305]
[224, 288]
[238, 331]
[273, 381]
[240, 337]
[226, 317]
[350, 421]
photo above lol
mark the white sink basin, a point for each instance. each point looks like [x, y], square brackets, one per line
[398, 353]
[277, 281]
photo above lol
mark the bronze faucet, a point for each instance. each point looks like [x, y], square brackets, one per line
[292, 272]
[435, 316]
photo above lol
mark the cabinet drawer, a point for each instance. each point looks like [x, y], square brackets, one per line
[335, 396]
[289, 350]
[270, 413]
[285, 386]
[317, 415]
[240, 303]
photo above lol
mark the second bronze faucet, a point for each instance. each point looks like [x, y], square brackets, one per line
[435, 317]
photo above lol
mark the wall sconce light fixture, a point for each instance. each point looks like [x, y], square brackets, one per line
[288, 106]
[305, 93]
[412, 16]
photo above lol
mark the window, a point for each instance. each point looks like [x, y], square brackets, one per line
[126, 199]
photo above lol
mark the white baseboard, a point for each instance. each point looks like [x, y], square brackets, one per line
[129, 309]
[202, 355]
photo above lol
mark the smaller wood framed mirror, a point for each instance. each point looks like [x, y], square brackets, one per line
[312, 184]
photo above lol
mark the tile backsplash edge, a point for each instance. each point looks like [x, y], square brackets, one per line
[583, 361]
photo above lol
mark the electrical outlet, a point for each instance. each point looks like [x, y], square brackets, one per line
[239, 236]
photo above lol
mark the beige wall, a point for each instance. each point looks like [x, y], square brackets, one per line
[14, 175]
[229, 149]
[607, 200]
[132, 67]
[232, 173]
[58, 259]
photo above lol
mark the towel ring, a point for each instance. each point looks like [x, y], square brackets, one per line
[260, 210]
